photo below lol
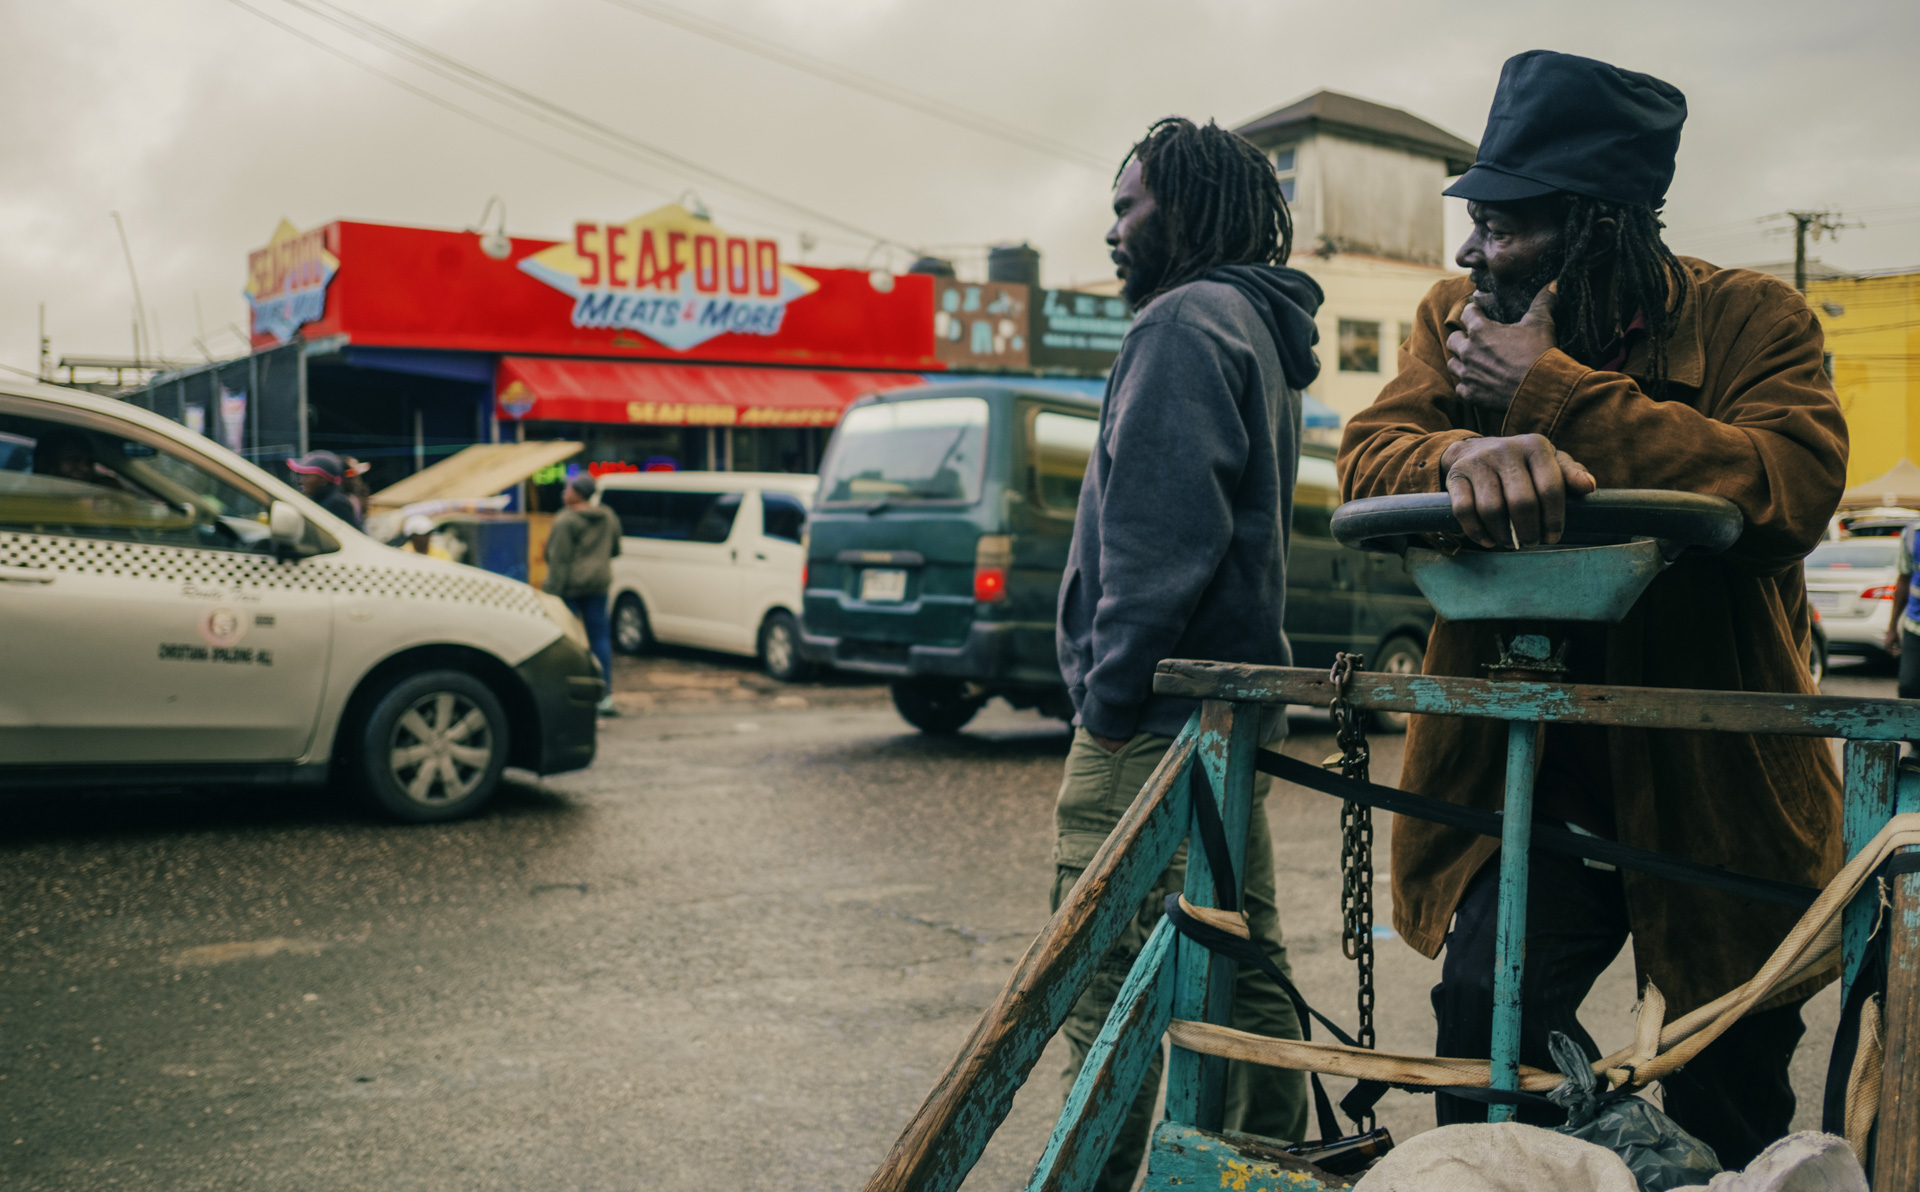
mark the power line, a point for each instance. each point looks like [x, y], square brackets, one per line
[833, 72]
[493, 87]
[469, 114]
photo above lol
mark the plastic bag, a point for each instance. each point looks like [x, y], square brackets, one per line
[1660, 1154]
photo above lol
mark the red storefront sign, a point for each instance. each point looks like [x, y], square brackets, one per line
[665, 286]
[541, 389]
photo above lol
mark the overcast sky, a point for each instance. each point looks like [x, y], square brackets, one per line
[204, 125]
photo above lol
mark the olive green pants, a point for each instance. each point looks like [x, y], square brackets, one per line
[1097, 790]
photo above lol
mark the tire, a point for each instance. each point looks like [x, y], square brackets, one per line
[632, 634]
[432, 747]
[780, 647]
[1399, 656]
[1817, 661]
[935, 707]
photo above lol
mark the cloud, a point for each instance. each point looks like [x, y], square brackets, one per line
[204, 125]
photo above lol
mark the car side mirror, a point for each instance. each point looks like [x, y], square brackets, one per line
[286, 526]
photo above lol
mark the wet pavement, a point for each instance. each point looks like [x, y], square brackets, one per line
[735, 952]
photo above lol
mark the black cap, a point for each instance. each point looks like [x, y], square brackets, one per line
[1564, 123]
[319, 463]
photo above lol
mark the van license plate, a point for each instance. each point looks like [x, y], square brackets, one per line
[883, 585]
[1825, 601]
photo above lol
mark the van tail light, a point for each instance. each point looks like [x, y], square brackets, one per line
[1883, 592]
[991, 558]
[806, 569]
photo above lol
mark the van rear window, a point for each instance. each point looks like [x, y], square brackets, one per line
[678, 516]
[909, 452]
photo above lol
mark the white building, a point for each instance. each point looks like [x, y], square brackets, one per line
[1363, 181]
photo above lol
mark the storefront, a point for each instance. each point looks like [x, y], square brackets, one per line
[662, 341]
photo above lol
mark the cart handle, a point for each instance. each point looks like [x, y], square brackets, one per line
[1685, 523]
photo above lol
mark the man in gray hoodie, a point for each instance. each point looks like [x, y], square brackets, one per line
[580, 549]
[1180, 547]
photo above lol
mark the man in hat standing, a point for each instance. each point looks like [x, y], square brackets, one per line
[580, 548]
[321, 474]
[1581, 353]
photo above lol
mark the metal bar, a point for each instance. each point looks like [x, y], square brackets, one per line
[1182, 1159]
[1871, 776]
[945, 1136]
[1203, 991]
[1116, 1063]
[1570, 703]
[1896, 1156]
[1510, 938]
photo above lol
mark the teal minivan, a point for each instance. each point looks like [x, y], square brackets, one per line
[940, 532]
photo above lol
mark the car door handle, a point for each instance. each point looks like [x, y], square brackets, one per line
[24, 575]
[762, 558]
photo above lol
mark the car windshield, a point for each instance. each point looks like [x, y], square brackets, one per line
[901, 452]
[1856, 554]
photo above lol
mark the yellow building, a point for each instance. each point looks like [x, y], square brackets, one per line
[1872, 321]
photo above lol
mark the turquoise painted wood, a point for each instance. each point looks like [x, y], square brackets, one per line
[1204, 990]
[1571, 703]
[1118, 1060]
[1510, 930]
[1187, 1159]
[945, 1137]
[1871, 779]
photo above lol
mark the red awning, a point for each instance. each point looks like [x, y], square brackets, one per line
[539, 389]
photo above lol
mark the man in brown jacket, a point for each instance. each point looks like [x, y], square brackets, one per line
[1579, 353]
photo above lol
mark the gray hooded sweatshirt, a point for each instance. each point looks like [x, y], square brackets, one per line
[1180, 544]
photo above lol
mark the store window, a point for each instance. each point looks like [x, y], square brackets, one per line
[782, 515]
[675, 516]
[1359, 346]
[1283, 165]
[1062, 444]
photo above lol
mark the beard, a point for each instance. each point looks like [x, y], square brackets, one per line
[1508, 302]
[1143, 264]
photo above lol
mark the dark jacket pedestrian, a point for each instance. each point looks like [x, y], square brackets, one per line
[581, 545]
[320, 476]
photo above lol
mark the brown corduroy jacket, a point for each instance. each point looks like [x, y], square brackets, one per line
[1750, 415]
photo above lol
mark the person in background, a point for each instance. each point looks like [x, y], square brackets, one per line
[580, 550]
[354, 484]
[1180, 551]
[419, 530]
[321, 474]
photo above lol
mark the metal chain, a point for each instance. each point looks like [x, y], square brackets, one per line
[1356, 845]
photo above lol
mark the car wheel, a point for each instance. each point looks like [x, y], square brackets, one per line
[631, 633]
[936, 707]
[1400, 656]
[433, 747]
[780, 647]
[1817, 660]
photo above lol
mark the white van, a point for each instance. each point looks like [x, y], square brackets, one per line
[710, 559]
[175, 614]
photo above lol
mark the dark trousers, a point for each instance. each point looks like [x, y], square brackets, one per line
[1909, 664]
[592, 611]
[1735, 1096]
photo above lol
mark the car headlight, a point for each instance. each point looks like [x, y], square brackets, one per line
[561, 615]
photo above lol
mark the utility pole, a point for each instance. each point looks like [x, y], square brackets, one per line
[1818, 222]
[139, 307]
[46, 347]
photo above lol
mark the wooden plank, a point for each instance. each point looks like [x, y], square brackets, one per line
[1572, 703]
[1896, 1156]
[946, 1135]
[477, 471]
[1870, 781]
[1196, 1083]
[1186, 1159]
[1116, 1063]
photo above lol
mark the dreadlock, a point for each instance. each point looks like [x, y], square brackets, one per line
[1644, 277]
[1217, 195]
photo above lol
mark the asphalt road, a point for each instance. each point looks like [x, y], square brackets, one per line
[734, 953]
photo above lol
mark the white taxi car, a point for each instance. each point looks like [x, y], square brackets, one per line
[175, 614]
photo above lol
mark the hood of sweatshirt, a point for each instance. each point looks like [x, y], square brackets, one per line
[1286, 300]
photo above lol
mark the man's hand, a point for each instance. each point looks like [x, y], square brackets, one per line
[1512, 492]
[1489, 359]
[1891, 641]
